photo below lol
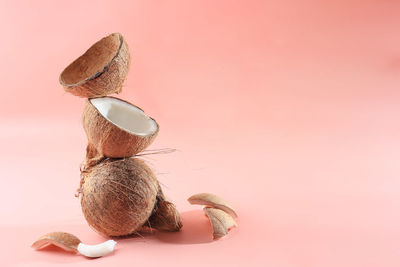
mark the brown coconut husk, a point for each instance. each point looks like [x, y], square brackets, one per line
[106, 139]
[118, 196]
[66, 241]
[100, 71]
[165, 216]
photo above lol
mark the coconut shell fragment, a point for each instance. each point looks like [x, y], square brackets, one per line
[66, 241]
[214, 201]
[100, 71]
[71, 243]
[221, 222]
[165, 216]
[116, 128]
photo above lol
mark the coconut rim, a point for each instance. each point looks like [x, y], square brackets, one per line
[156, 126]
[98, 74]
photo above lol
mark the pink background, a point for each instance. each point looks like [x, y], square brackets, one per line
[288, 109]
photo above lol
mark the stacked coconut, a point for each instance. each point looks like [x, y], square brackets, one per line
[120, 194]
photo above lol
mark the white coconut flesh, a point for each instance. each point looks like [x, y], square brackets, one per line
[124, 115]
[98, 250]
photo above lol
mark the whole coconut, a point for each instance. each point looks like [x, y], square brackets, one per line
[118, 195]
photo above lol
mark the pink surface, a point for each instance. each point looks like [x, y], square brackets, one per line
[288, 109]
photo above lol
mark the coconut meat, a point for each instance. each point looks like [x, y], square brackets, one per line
[98, 250]
[125, 115]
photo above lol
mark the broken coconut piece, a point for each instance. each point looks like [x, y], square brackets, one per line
[221, 222]
[63, 240]
[214, 201]
[71, 243]
[100, 71]
[165, 216]
[116, 128]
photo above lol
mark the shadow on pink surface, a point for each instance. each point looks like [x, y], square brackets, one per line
[196, 230]
[55, 251]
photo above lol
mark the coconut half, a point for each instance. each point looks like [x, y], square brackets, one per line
[100, 71]
[116, 128]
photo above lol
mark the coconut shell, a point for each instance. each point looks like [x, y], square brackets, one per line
[165, 216]
[106, 139]
[66, 241]
[100, 71]
[118, 196]
[214, 201]
[221, 222]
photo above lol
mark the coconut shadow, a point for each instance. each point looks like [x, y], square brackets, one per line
[196, 230]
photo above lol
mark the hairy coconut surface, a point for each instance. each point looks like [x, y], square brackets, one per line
[116, 128]
[165, 216]
[118, 196]
[100, 71]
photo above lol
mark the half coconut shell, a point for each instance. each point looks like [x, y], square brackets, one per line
[100, 71]
[116, 128]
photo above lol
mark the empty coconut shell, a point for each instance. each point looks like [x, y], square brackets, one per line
[116, 128]
[100, 71]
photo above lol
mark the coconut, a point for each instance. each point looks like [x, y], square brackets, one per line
[100, 71]
[118, 196]
[221, 222]
[165, 216]
[63, 240]
[122, 196]
[71, 243]
[116, 128]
